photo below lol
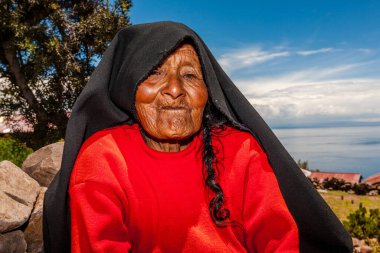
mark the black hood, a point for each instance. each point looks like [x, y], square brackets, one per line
[108, 100]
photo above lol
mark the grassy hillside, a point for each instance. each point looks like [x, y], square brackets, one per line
[343, 203]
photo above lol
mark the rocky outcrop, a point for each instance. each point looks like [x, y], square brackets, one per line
[21, 197]
[13, 242]
[33, 232]
[43, 164]
[18, 193]
[363, 246]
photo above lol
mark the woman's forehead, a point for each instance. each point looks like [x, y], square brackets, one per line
[186, 49]
[183, 54]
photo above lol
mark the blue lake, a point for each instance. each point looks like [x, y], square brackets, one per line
[339, 149]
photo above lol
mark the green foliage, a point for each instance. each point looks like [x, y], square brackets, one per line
[48, 50]
[333, 183]
[341, 185]
[361, 189]
[303, 165]
[13, 151]
[363, 226]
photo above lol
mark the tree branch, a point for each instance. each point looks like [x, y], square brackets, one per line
[9, 51]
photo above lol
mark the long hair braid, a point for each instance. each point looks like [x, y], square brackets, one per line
[213, 119]
[213, 122]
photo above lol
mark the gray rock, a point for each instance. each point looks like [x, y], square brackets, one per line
[373, 193]
[18, 193]
[366, 249]
[355, 241]
[12, 242]
[43, 164]
[33, 232]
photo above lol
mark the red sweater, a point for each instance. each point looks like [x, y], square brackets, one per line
[127, 197]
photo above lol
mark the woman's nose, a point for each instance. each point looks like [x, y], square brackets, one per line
[174, 87]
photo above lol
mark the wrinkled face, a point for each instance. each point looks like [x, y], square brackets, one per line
[170, 102]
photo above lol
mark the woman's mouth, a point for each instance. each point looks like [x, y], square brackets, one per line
[173, 108]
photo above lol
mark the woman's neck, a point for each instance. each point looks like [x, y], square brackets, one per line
[165, 146]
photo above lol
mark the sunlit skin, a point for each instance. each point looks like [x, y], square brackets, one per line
[171, 101]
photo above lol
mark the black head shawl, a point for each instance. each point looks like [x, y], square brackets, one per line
[108, 100]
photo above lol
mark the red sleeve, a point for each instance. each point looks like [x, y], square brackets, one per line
[270, 226]
[98, 205]
[98, 222]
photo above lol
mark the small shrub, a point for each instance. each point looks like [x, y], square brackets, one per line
[303, 165]
[13, 151]
[363, 226]
[333, 183]
[361, 189]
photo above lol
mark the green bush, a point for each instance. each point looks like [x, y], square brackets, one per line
[361, 189]
[13, 151]
[333, 183]
[363, 226]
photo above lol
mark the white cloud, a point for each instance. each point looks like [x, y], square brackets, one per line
[246, 57]
[326, 99]
[291, 79]
[343, 97]
[317, 51]
[314, 93]
[341, 87]
[241, 58]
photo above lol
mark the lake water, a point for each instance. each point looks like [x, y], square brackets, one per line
[338, 149]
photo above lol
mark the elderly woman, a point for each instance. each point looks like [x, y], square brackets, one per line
[164, 154]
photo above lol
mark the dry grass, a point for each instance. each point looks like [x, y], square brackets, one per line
[343, 203]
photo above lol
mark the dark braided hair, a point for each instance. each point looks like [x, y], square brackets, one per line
[213, 119]
[213, 123]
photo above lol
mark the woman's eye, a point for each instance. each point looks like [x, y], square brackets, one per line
[189, 75]
[156, 75]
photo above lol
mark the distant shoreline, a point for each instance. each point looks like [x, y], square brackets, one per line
[344, 149]
[327, 125]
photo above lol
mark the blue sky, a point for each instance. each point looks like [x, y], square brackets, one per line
[300, 63]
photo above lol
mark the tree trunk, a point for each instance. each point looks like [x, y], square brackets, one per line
[26, 92]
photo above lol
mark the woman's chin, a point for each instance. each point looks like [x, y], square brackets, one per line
[168, 136]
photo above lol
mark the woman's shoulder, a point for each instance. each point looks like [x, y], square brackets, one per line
[99, 152]
[107, 137]
[232, 136]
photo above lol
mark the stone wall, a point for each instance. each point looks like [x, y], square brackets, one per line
[341, 185]
[21, 196]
